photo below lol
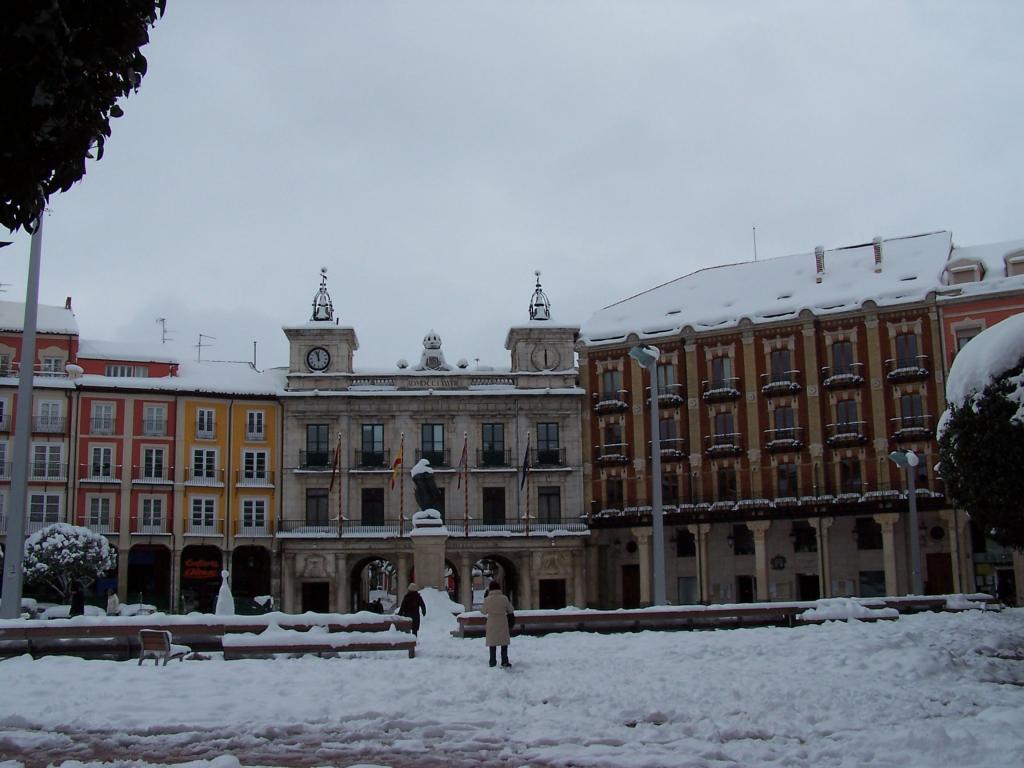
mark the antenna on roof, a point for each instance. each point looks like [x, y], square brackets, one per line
[200, 345]
[755, 242]
[165, 335]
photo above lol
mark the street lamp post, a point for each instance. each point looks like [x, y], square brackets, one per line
[647, 357]
[909, 460]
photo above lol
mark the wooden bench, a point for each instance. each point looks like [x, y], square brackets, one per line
[156, 644]
[319, 643]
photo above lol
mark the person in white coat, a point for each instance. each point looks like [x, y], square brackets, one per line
[499, 612]
[113, 604]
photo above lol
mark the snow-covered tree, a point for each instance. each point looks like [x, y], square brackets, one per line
[981, 436]
[62, 556]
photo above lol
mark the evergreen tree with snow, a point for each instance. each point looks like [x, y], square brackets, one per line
[63, 557]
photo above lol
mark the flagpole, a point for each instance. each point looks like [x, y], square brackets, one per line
[465, 480]
[337, 472]
[401, 487]
[526, 475]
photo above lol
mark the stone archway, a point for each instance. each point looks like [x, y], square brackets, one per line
[201, 565]
[498, 568]
[250, 578]
[149, 576]
[452, 580]
[374, 584]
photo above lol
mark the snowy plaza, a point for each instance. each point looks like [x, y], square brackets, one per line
[924, 691]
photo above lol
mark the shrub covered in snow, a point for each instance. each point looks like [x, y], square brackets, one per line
[981, 436]
[63, 556]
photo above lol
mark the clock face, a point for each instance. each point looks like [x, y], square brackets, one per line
[545, 357]
[318, 358]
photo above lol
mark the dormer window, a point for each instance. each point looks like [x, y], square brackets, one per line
[965, 271]
[1014, 263]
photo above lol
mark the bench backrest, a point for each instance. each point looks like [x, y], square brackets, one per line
[155, 640]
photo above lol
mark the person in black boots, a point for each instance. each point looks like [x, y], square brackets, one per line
[412, 605]
[498, 609]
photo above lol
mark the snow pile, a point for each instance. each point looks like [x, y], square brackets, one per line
[988, 356]
[846, 609]
[64, 612]
[421, 466]
[276, 636]
[964, 603]
[426, 514]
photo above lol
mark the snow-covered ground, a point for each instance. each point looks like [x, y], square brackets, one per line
[923, 691]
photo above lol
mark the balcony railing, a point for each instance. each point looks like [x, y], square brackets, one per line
[206, 432]
[107, 526]
[37, 370]
[611, 453]
[255, 435]
[154, 427]
[724, 444]
[436, 458]
[548, 457]
[907, 368]
[151, 528]
[784, 439]
[31, 526]
[5, 423]
[159, 473]
[48, 471]
[49, 425]
[99, 473]
[5, 470]
[611, 401]
[252, 529]
[250, 478]
[912, 427]
[373, 459]
[488, 457]
[780, 383]
[717, 390]
[204, 527]
[101, 426]
[837, 377]
[373, 527]
[672, 448]
[204, 476]
[316, 460]
[846, 433]
[669, 395]
[304, 527]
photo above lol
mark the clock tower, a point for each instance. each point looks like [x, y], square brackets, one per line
[541, 346]
[320, 349]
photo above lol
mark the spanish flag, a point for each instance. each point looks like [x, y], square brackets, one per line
[396, 467]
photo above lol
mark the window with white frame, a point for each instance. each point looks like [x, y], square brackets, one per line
[123, 370]
[5, 363]
[3, 504]
[203, 515]
[44, 508]
[254, 425]
[205, 422]
[154, 420]
[254, 465]
[47, 461]
[153, 464]
[50, 415]
[5, 471]
[53, 365]
[254, 514]
[102, 419]
[152, 514]
[3, 414]
[99, 513]
[204, 464]
[101, 461]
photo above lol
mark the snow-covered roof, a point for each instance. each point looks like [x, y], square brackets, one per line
[221, 378]
[778, 289]
[50, 318]
[119, 350]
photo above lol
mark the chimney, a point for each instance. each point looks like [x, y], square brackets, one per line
[819, 262]
[67, 303]
[877, 244]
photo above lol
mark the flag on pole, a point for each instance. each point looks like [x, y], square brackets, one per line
[336, 464]
[526, 462]
[464, 461]
[396, 466]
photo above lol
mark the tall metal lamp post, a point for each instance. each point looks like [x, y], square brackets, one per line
[647, 356]
[909, 460]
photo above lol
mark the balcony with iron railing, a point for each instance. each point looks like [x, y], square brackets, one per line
[917, 427]
[907, 368]
[204, 526]
[34, 524]
[152, 528]
[99, 472]
[372, 459]
[547, 457]
[611, 453]
[53, 425]
[5, 423]
[669, 395]
[5, 471]
[14, 370]
[154, 473]
[490, 458]
[47, 471]
[838, 377]
[611, 401]
[780, 383]
[846, 433]
[719, 390]
[308, 527]
[253, 529]
[723, 444]
[203, 476]
[251, 478]
[671, 448]
[436, 458]
[784, 439]
[316, 461]
[154, 427]
[206, 431]
[101, 426]
[107, 524]
[255, 435]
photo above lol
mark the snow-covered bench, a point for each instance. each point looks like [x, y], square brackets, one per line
[276, 640]
[156, 644]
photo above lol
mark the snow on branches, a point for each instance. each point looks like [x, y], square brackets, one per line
[62, 556]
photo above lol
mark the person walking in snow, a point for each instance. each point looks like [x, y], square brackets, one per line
[412, 605]
[113, 604]
[499, 612]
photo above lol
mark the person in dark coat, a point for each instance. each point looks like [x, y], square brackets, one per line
[497, 608]
[412, 605]
[77, 602]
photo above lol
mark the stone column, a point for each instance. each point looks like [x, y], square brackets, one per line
[888, 522]
[810, 375]
[403, 574]
[288, 584]
[526, 581]
[342, 592]
[949, 517]
[592, 555]
[122, 574]
[579, 586]
[880, 392]
[700, 532]
[644, 537]
[760, 530]
[753, 436]
[466, 580]
[693, 413]
[821, 527]
[1018, 574]
[641, 489]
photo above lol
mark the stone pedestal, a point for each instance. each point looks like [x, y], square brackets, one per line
[429, 537]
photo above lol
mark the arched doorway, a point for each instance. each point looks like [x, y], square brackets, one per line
[149, 576]
[375, 585]
[494, 568]
[452, 581]
[200, 578]
[250, 578]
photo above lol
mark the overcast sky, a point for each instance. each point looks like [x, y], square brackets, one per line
[432, 155]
